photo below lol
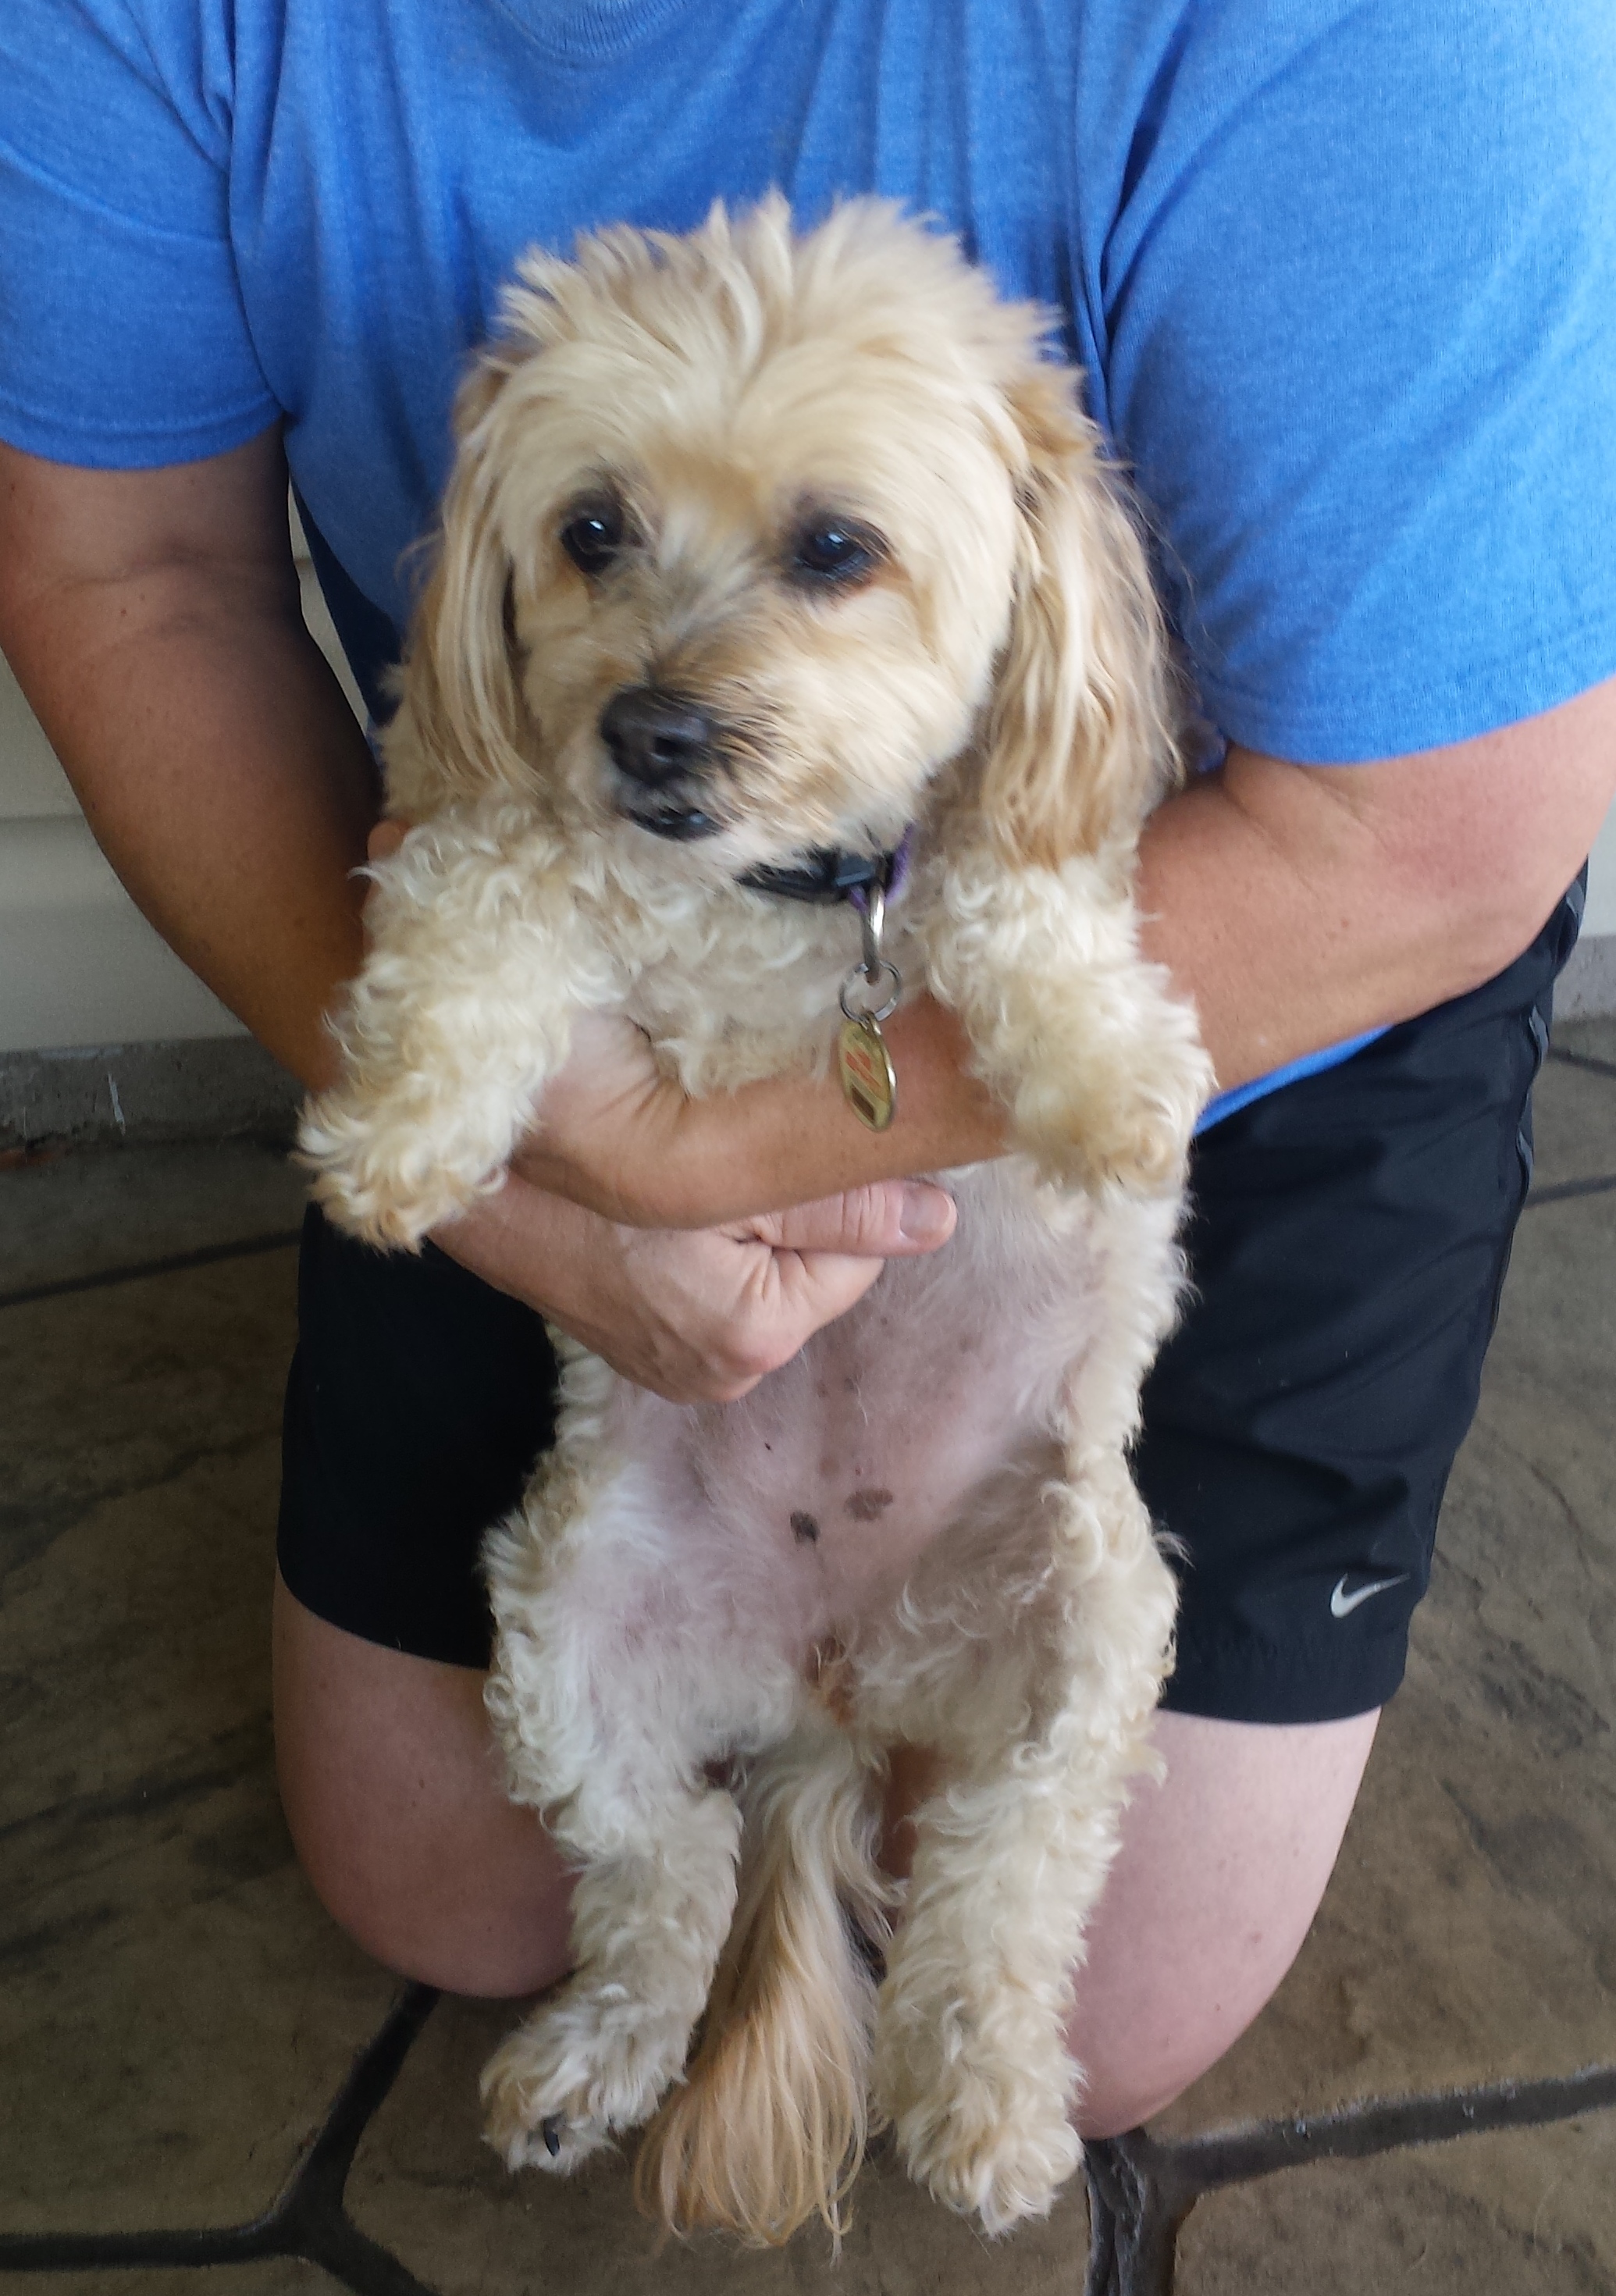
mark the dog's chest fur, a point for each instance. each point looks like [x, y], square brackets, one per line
[732, 986]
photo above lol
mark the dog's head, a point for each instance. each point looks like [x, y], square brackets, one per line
[749, 536]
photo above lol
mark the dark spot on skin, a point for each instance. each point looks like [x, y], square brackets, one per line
[804, 1529]
[850, 1386]
[863, 1506]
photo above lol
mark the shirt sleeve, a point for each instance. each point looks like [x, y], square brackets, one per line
[1359, 300]
[123, 339]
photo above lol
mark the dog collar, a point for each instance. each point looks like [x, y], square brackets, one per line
[829, 874]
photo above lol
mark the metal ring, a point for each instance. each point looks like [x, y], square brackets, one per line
[872, 922]
[876, 1012]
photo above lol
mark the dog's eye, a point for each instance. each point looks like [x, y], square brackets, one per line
[592, 536]
[832, 552]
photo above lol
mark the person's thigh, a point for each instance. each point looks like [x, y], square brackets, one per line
[392, 1789]
[1347, 1238]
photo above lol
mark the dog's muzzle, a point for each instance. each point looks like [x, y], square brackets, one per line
[664, 749]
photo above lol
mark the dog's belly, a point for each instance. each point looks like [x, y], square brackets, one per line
[804, 1507]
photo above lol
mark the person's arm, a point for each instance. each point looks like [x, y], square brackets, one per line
[152, 618]
[1298, 906]
[1307, 904]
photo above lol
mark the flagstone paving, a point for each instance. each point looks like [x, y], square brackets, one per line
[207, 2088]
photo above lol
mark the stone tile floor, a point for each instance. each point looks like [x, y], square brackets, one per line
[208, 2089]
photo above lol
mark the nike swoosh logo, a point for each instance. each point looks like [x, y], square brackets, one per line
[1342, 1604]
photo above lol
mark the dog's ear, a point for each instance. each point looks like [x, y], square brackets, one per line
[461, 688]
[1080, 739]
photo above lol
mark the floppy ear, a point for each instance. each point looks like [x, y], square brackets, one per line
[1080, 742]
[458, 730]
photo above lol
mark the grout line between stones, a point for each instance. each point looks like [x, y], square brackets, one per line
[1564, 1191]
[173, 1264]
[1588, 1061]
[307, 2219]
[1358, 2132]
[1140, 2190]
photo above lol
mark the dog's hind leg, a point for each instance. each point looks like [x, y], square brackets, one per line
[768, 2128]
[648, 1921]
[1040, 1728]
[614, 1683]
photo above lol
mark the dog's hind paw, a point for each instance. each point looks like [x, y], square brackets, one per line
[524, 2133]
[562, 2085]
[986, 2152]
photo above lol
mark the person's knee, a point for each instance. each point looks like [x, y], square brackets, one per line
[448, 1905]
[396, 1811]
[1221, 1871]
[1116, 2096]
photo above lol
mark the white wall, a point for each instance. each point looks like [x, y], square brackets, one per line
[1601, 916]
[79, 963]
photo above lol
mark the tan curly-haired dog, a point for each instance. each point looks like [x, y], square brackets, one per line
[761, 546]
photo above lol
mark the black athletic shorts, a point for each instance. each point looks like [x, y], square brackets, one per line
[1348, 1238]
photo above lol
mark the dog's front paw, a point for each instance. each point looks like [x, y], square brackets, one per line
[574, 2075]
[1140, 1144]
[377, 1178]
[996, 2148]
[1129, 1128]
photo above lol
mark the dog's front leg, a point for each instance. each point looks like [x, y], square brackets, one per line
[480, 959]
[1098, 1065]
[971, 2058]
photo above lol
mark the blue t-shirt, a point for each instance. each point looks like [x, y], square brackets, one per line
[1342, 273]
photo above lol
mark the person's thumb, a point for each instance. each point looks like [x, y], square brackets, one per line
[890, 1220]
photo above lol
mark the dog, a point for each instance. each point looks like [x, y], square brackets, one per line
[767, 557]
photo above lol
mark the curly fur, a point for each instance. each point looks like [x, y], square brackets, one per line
[997, 676]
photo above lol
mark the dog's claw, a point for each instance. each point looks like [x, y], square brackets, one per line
[551, 2131]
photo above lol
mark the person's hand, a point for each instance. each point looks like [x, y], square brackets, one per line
[698, 1315]
[617, 1136]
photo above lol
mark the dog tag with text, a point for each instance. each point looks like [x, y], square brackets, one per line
[869, 1082]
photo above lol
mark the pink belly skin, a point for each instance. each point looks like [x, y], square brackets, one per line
[805, 1506]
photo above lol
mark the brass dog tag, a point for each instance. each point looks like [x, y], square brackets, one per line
[869, 1083]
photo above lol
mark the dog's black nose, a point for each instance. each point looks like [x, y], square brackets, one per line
[656, 737]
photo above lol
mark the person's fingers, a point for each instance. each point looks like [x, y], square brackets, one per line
[385, 838]
[889, 1220]
[811, 1289]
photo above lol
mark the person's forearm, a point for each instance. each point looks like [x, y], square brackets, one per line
[230, 790]
[1303, 906]
[217, 761]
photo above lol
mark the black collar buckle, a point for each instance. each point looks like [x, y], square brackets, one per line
[829, 874]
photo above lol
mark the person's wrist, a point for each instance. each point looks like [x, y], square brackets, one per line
[523, 1240]
[661, 1159]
